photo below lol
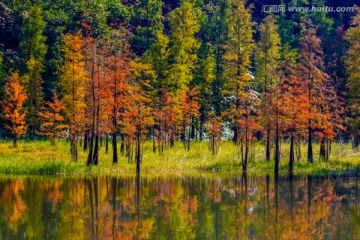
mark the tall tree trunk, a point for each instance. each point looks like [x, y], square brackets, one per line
[213, 144]
[291, 157]
[15, 142]
[114, 145]
[298, 154]
[277, 150]
[96, 150]
[201, 128]
[172, 140]
[86, 139]
[91, 149]
[122, 145]
[153, 139]
[322, 149]
[73, 146]
[268, 143]
[90, 159]
[356, 141]
[189, 141]
[107, 144]
[310, 150]
[193, 128]
[328, 150]
[138, 152]
[236, 134]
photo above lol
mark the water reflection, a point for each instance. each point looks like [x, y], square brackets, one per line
[180, 207]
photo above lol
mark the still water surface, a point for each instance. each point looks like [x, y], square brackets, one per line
[180, 207]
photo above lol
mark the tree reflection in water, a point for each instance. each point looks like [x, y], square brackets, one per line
[180, 207]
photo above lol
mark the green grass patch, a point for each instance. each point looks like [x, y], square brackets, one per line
[39, 158]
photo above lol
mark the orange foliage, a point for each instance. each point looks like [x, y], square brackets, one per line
[12, 105]
[53, 126]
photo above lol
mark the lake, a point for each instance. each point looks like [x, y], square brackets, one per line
[179, 207]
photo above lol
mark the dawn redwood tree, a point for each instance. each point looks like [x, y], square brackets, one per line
[311, 70]
[52, 125]
[247, 122]
[237, 57]
[295, 103]
[353, 70]
[190, 110]
[267, 64]
[138, 115]
[72, 84]
[274, 113]
[118, 68]
[329, 120]
[98, 97]
[164, 117]
[12, 106]
[213, 128]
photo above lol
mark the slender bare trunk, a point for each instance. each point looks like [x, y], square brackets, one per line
[107, 144]
[268, 143]
[291, 157]
[138, 152]
[15, 142]
[322, 149]
[277, 150]
[310, 149]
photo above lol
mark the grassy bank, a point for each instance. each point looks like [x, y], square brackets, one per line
[41, 158]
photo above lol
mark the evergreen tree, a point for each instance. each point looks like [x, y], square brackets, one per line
[215, 33]
[33, 82]
[148, 17]
[33, 41]
[33, 50]
[205, 80]
[2, 75]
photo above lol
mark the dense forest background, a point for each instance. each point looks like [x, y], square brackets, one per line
[189, 70]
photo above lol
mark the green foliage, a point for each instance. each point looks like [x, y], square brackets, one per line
[2, 76]
[204, 82]
[32, 43]
[149, 19]
[353, 69]
[184, 24]
[239, 47]
[33, 84]
[158, 56]
[118, 11]
[267, 54]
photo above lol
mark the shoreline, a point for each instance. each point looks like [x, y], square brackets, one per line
[38, 158]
